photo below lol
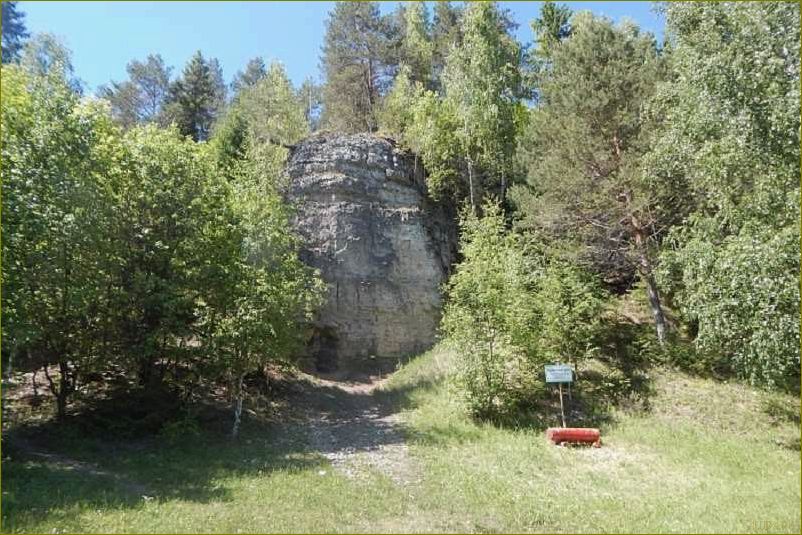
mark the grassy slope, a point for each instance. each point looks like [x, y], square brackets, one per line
[706, 456]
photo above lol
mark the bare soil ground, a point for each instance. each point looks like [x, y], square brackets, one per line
[348, 421]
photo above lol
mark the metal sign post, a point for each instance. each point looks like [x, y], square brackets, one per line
[560, 373]
[563, 373]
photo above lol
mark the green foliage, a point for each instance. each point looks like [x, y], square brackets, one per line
[482, 82]
[397, 113]
[491, 315]
[45, 55]
[268, 291]
[570, 305]
[264, 120]
[357, 64]
[552, 27]
[446, 34]
[176, 231]
[417, 46]
[140, 99]
[582, 151]
[132, 251]
[432, 134]
[730, 131]
[57, 153]
[254, 71]
[197, 97]
[511, 308]
[466, 136]
[14, 32]
[743, 297]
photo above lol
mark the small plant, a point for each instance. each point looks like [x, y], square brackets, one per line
[181, 429]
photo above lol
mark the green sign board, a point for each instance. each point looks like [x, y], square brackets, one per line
[559, 373]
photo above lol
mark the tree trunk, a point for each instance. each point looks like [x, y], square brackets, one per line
[470, 184]
[503, 187]
[657, 309]
[647, 273]
[10, 370]
[237, 407]
[61, 392]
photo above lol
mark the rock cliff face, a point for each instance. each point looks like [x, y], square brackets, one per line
[382, 247]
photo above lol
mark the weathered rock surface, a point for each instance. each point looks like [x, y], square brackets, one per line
[382, 247]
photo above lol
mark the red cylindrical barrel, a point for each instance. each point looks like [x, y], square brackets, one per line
[558, 435]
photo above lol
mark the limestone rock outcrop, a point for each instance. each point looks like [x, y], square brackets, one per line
[383, 248]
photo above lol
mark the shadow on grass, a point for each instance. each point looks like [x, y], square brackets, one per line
[118, 453]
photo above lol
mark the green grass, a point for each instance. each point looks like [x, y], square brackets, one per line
[691, 455]
[198, 485]
[704, 456]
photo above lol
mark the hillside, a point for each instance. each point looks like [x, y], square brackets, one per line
[397, 455]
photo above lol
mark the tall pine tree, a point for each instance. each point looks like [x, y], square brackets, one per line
[582, 152]
[139, 99]
[357, 66]
[14, 32]
[197, 98]
[254, 71]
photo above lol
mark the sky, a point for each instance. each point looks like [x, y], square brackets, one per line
[104, 36]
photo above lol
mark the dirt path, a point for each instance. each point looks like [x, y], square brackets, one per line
[357, 429]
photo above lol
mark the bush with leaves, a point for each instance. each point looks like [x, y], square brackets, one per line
[570, 303]
[268, 291]
[175, 230]
[743, 298]
[729, 129]
[513, 306]
[58, 156]
[491, 315]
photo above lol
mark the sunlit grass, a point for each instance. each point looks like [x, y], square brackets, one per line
[699, 456]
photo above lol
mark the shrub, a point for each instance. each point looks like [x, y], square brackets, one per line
[571, 304]
[743, 296]
[508, 314]
[490, 317]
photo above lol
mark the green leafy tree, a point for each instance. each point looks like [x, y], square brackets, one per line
[14, 32]
[254, 71]
[141, 98]
[44, 55]
[432, 133]
[582, 153]
[197, 97]
[58, 155]
[263, 123]
[397, 113]
[729, 132]
[491, 315]
[417, 46]
[269, 292]
[357, 66]
[446, 34]
[552, 27]
[173, 225]
[482, 82]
